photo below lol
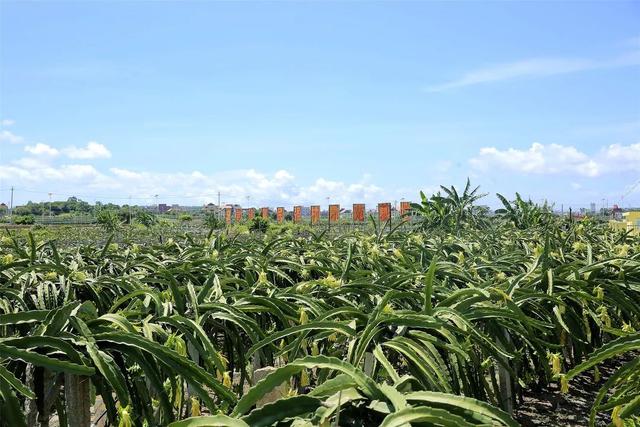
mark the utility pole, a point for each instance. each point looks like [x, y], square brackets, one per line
[157, 205]
[328, 213]
[219, 207]
[50, 194]
[11, 207]
[129, 210]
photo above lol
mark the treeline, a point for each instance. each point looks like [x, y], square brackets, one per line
[74, 206]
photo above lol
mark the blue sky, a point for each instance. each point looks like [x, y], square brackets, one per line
[293, 102]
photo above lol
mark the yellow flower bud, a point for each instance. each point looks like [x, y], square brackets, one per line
[615, 417]
[304, 378]
[125, 417]
[556, 363]
[226, 379]
[626, 327]
[564, 384]
[598, 292]
[262, 278]
[195, 407]
[304, 317]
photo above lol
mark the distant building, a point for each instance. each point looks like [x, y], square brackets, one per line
[593, 208]
[616, 212]
[630, 222]
[163, 208]
[210, 207]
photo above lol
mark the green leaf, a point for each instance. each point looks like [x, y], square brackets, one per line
[282, 409]
[470, 408]
[277, 377]
[15, 383]
[431, 416]
[23, 317]
[333, 385]
[10, 407]
[428, 286]
[211, 421]
[45, 361]
[331, 326]
[191, 372]
[618, 346]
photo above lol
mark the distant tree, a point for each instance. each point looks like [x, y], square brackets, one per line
[212, 221]
[185, 217]
[146, 218]
[259, 224]
[24, 219]
[109, 220]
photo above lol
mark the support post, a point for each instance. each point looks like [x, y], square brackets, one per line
[77, 402]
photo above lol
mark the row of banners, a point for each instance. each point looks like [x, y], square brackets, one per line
[358, 213]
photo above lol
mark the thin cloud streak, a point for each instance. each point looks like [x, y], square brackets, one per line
[535, 67]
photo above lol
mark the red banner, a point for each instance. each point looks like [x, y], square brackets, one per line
[297, 213]
[358, 212]
[315, 214]
[280, 214]
[227, 215]
[334, 213]
[265, 213]
[251, 213]
[405, 207]
[384, 212]
[238, 214]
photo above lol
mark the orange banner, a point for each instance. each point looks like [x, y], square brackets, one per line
[227, 215]
[265, 213]
[315, 214]
[280, 214]
[251, 212]
[238, 214]
[358, 212]
[384, 212]
[405, 207]
[334, 213]
[297, 213]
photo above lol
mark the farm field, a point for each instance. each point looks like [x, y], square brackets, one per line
[449, 321]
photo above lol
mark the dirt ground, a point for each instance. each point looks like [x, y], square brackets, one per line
[548, 407]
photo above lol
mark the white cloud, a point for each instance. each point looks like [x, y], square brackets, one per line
[559, 159]
[10, 137]
[245, 187]
[30, 171]
[6, 122]
[535, 67]
[341, 192]
[625, 157]
[93, 150]
[41, 149]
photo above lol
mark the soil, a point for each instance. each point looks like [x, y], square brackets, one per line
[548, 407]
